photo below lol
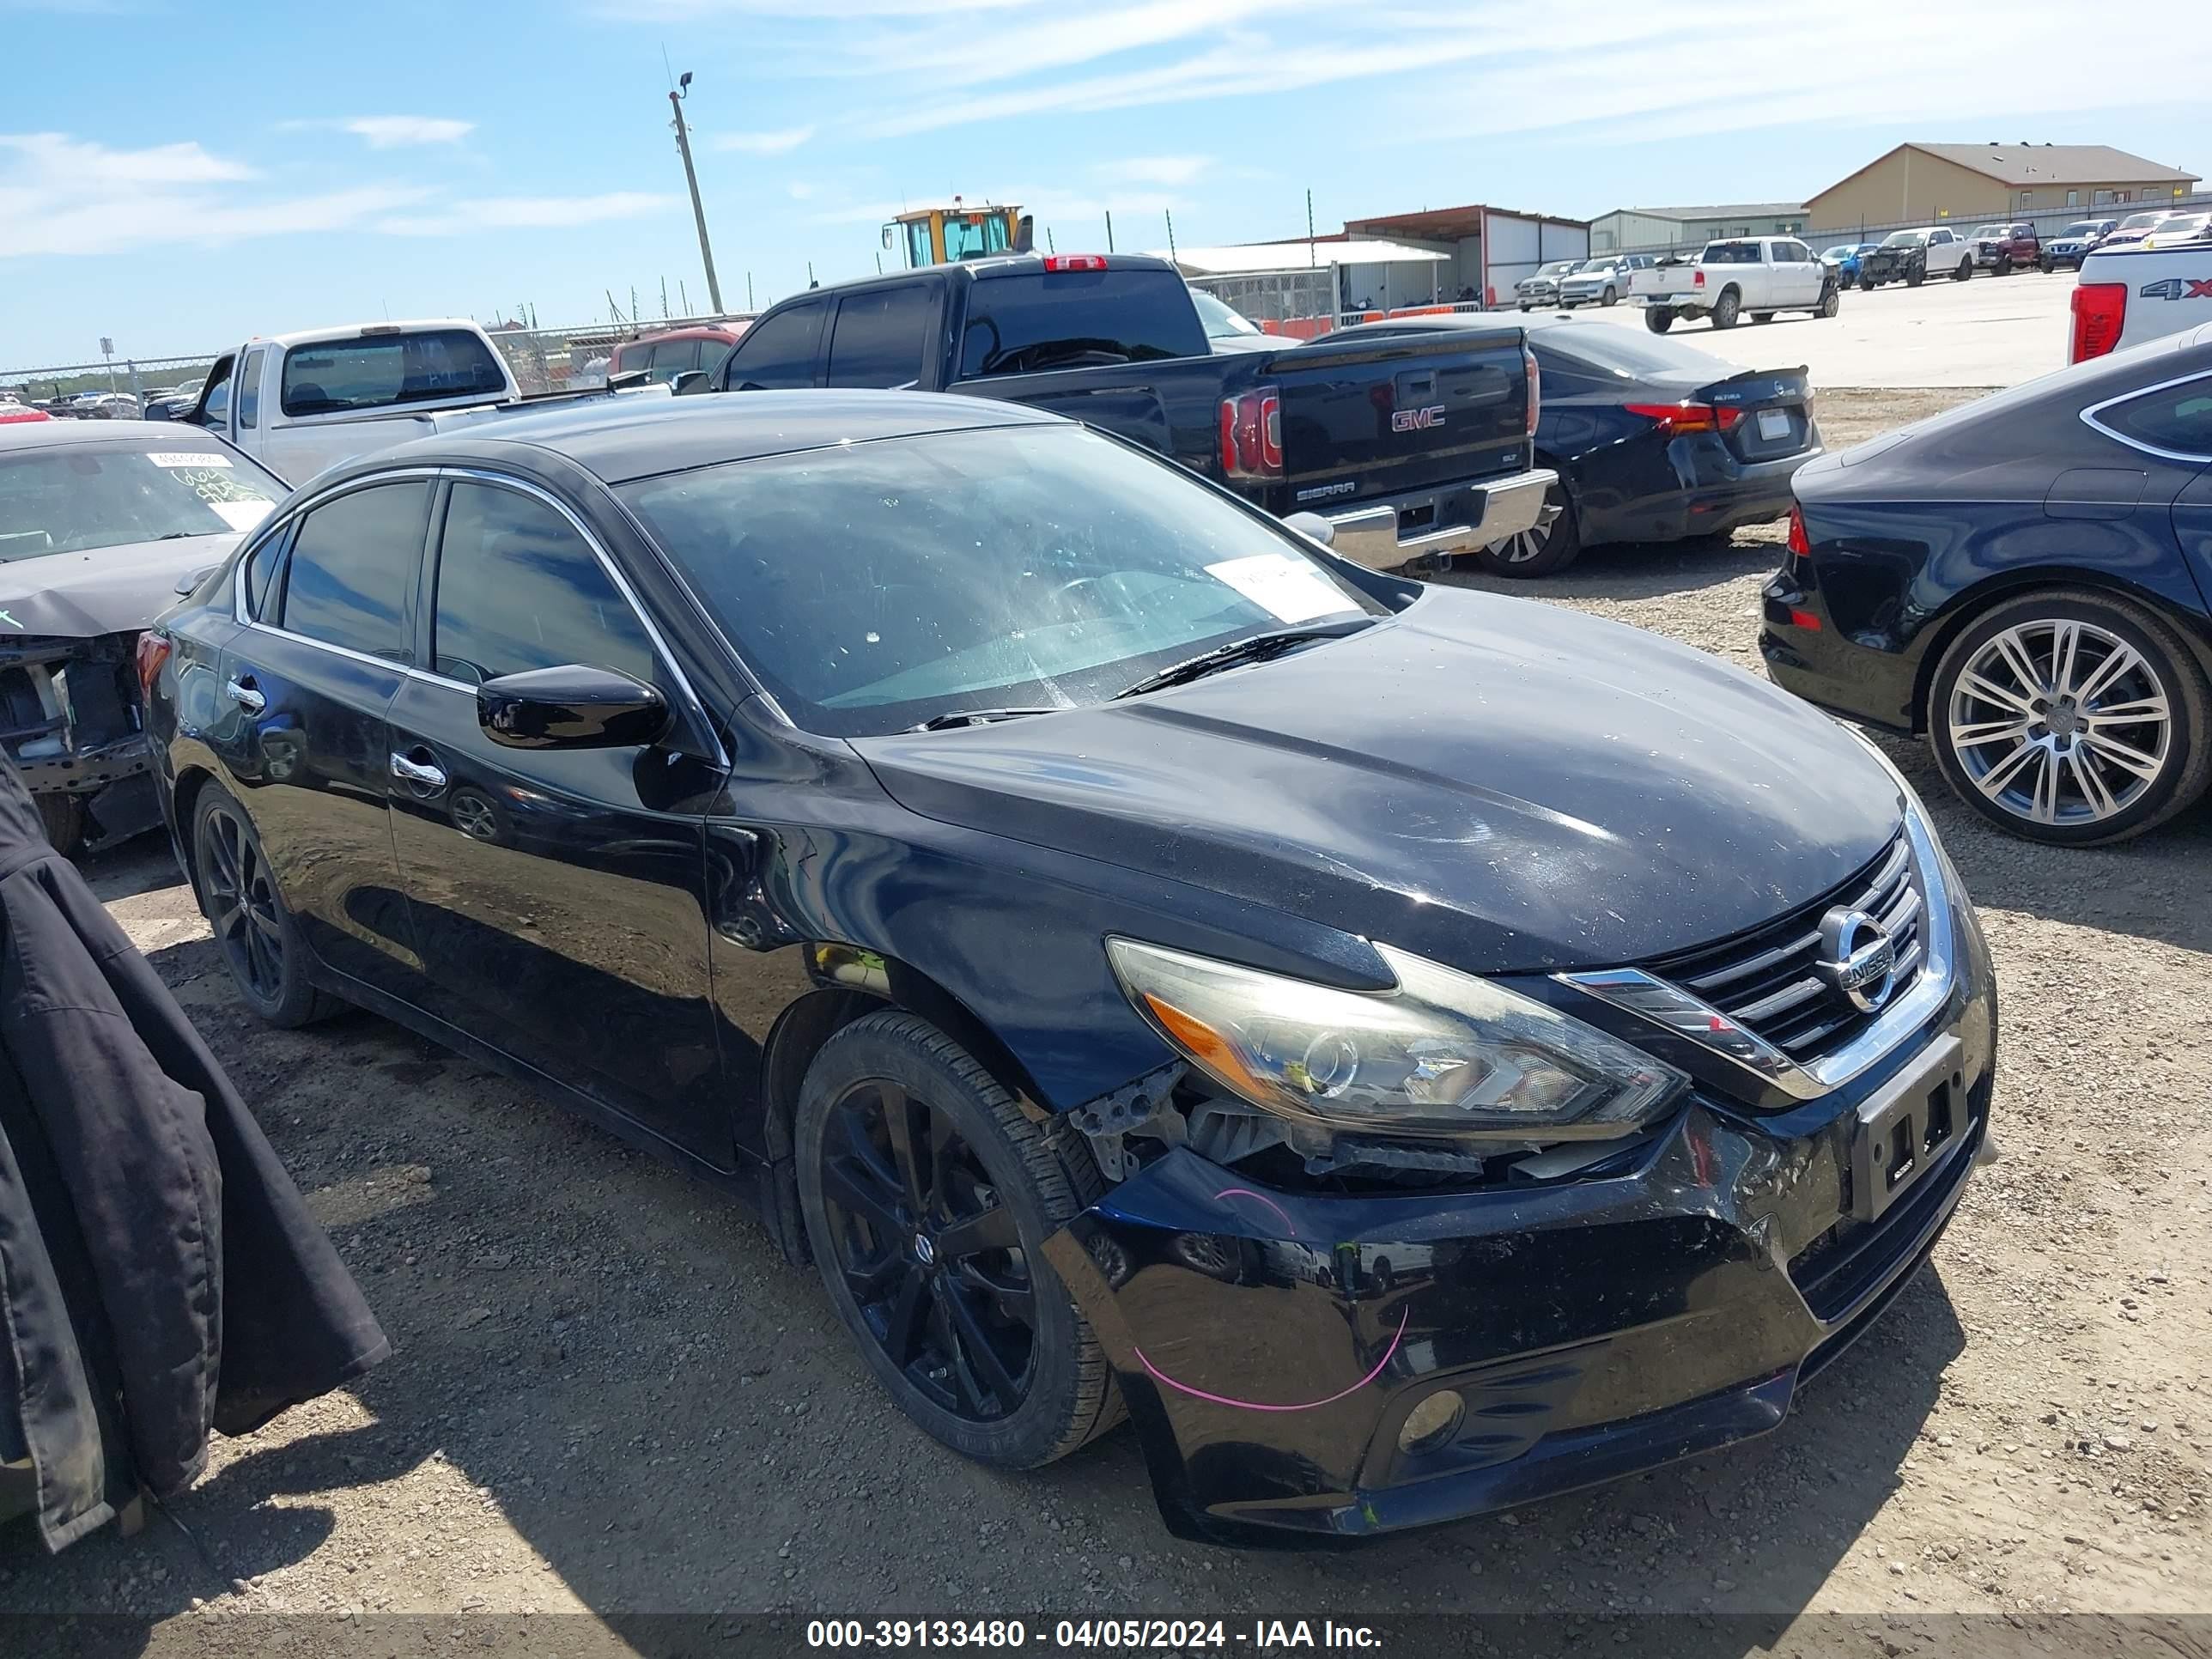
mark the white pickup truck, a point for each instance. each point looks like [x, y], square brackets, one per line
[2128, 295]
[1754, 275]
[299, 403]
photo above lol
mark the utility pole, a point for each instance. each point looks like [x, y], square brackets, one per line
[1170, 219]
[691, 178]
[1109, 230]
[1312, 260]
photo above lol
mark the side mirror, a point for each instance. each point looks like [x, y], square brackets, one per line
[691, 380]
[1313, 527]
[186, 584]
[573, 707]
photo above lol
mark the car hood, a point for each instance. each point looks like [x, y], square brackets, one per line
[107, 590]
[1494, 782]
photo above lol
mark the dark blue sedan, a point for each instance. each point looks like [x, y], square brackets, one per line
[1411, 1050]
[2025, 580]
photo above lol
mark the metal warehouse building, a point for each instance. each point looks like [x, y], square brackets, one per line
[1919, 184]
[1487, 249]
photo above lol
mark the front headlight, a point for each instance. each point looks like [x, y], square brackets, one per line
[1444, 1054]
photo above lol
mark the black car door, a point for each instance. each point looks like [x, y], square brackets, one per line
[305, 687]
[558, 893]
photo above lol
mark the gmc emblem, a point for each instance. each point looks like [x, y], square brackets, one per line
[1417, 419]
[2176, 288]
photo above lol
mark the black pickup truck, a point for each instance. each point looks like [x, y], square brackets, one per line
[1404, 448]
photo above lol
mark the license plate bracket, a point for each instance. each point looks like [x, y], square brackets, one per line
[1773, 425]
[1905, 1125]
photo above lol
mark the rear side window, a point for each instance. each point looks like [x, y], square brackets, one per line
[778, 352]
[880, 336]
[518, 588]
[249, 389]
[384, 371]
[1076, 320]
[2177, 419]
[352, 566]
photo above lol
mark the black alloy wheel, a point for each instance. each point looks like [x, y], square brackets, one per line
[254, 930]
[927, 1196]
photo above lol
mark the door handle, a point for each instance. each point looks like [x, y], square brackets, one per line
[241, 692]
[429, 776]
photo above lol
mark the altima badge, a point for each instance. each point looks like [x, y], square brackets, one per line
[1858, 959]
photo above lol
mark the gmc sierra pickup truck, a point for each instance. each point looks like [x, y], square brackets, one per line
[1398, 450]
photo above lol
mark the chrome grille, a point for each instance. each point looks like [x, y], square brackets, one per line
[1765, 980]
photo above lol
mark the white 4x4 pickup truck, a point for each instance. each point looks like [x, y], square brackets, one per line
[299, 403]
[2130, 294]
[1756, 276]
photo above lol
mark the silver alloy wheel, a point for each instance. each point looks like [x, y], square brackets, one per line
[2060, 722]
[1524, 546]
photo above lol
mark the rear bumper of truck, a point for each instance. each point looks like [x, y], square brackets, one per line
[1455, 518]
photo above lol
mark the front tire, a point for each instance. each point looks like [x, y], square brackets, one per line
[1867, 284]
[1542, 552]
[1963, 269]
[2072, 717]
[928, 1197]
[1612, 297]
[1915, 276]
[2046, 264]
[254, 932]
[1832, 301]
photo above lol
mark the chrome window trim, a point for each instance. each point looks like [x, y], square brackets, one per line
[2089, 419]
[1673, 1010]
[411, 671]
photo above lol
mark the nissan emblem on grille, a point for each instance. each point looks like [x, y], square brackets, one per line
[1858, 959]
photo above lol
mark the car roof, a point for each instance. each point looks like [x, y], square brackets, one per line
[618, 439]
[41, 435]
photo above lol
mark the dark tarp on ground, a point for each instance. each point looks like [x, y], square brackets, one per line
[160, 1275]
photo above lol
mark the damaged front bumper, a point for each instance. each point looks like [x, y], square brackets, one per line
[1271, 1345]
[70, 721]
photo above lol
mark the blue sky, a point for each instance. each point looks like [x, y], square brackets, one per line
[178, 174]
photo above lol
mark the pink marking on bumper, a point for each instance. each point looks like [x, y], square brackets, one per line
[1160, 1376]
[1246, 1192]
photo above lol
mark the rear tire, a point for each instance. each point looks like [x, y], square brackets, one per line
[1658, 318]
[2004, 264]
[62, 817]
[1727, 309]
[989, 1316]
[2108, 780]
[254, 932]
[1538, 553]
[1914, 277]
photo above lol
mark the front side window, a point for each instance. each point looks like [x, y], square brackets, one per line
[83, 497]
[880, 336]
[519, 589]
[777, 352]
[873, 586]
[352, 566]
[388, 371]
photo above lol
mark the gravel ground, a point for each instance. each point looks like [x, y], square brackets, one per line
[608, 1396]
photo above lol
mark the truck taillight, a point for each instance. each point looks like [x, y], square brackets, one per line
[1697, 279]
[153, 651]
[2100, 310]
[1075, 262]
[1252, 434]
[1535, 384]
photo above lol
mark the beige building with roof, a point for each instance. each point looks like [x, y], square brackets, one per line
[1927, 184]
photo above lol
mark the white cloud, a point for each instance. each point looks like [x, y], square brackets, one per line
[405, 132]
[1170, 170]
[526, 213]
[777, 143]
[63, 162]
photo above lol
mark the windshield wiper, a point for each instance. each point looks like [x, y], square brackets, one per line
[1258, 648]
[945, 722]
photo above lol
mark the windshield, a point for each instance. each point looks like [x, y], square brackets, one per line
[1904, 239]
[2087, 227]
[1990, 230]
[1557, 268]
[874, 586]
[2141, 221]
[1841, 251]
[2181, 227]
[73, 498]
[1221, 322]
[1595, 264]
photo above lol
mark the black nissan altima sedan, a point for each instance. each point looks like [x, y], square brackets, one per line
[1654, 441]
[2028, 580]
[1412, 1051]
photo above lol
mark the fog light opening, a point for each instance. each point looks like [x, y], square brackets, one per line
[1432, 1422]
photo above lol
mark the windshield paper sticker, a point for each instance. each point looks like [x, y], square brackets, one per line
[190, 458]
[1290, 590]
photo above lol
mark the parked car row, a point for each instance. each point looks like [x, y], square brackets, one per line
[1601, 279]
[1757, 277]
